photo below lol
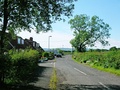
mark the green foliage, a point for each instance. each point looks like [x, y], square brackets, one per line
[4, 65]
[37, 15]
[87, 31]
[113, 49]
[67, 52]
[21, 65]
[48, 55]
[45, 54]
[51, 56]
[42, 13]
[111, 70]
[60, 51]
[106, 59]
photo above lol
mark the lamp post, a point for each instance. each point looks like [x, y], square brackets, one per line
[49, 42]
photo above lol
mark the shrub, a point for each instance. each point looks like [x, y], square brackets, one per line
[4, 66]
[45, 54]
[51, 56]
[108, 59]
[21, 65]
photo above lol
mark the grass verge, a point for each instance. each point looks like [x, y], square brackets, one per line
[53, 80]
[110, 70]
[67, 53]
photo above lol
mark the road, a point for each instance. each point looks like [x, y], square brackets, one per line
[74, 76]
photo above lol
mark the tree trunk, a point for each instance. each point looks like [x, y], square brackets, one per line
[5, 21]
[81, 48]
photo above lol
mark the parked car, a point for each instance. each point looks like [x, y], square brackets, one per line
[58, 55]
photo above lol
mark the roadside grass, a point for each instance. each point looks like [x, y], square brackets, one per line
[53, 80]
[110, 70]
[67, 53]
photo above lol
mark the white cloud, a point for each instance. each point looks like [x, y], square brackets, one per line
[61, 39]
[112, 42]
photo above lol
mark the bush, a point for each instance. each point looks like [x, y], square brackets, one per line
[4, 66]
[108, 59]
[45, 54]
[48, 55]
[51, 56]
[21, 65]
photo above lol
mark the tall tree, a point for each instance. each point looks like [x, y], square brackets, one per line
[87, 31]
[17, 15]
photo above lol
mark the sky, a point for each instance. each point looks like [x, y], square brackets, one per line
[108, 10]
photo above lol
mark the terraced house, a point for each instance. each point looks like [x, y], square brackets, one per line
[20, 43]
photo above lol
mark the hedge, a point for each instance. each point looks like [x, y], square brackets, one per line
[107, 59]
[21, 65]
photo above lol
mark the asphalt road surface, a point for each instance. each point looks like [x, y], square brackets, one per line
[74, 76]
[43, 75]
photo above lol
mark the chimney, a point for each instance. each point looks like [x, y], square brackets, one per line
[31, 38]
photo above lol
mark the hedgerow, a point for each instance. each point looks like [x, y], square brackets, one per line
[21, 65]
[106, 59]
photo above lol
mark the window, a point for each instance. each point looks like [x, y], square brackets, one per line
[19, 40]
[33, 44]
[37, 44]
[22, 41]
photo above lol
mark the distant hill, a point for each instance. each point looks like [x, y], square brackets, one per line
[64, 49]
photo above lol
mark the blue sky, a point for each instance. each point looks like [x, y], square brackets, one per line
[108, 10]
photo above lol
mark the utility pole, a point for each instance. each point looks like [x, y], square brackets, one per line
[49, 42]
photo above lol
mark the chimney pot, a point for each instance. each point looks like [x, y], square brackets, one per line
[31, 38]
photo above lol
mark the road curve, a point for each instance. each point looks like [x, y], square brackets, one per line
[74, 76]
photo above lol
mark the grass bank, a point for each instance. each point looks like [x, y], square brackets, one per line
[106, 61]
[110, 70]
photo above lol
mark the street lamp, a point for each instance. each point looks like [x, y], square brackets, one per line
[49, 42]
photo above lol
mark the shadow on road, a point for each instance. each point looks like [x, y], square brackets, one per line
[31, 79]
[37, 73]
[87, 87]
[27, 87]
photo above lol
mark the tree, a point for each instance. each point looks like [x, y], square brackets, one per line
[113, 48]
[17, 15]
[38, 15]
[87, 31]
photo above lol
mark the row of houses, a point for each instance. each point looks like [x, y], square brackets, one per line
[20, 43]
